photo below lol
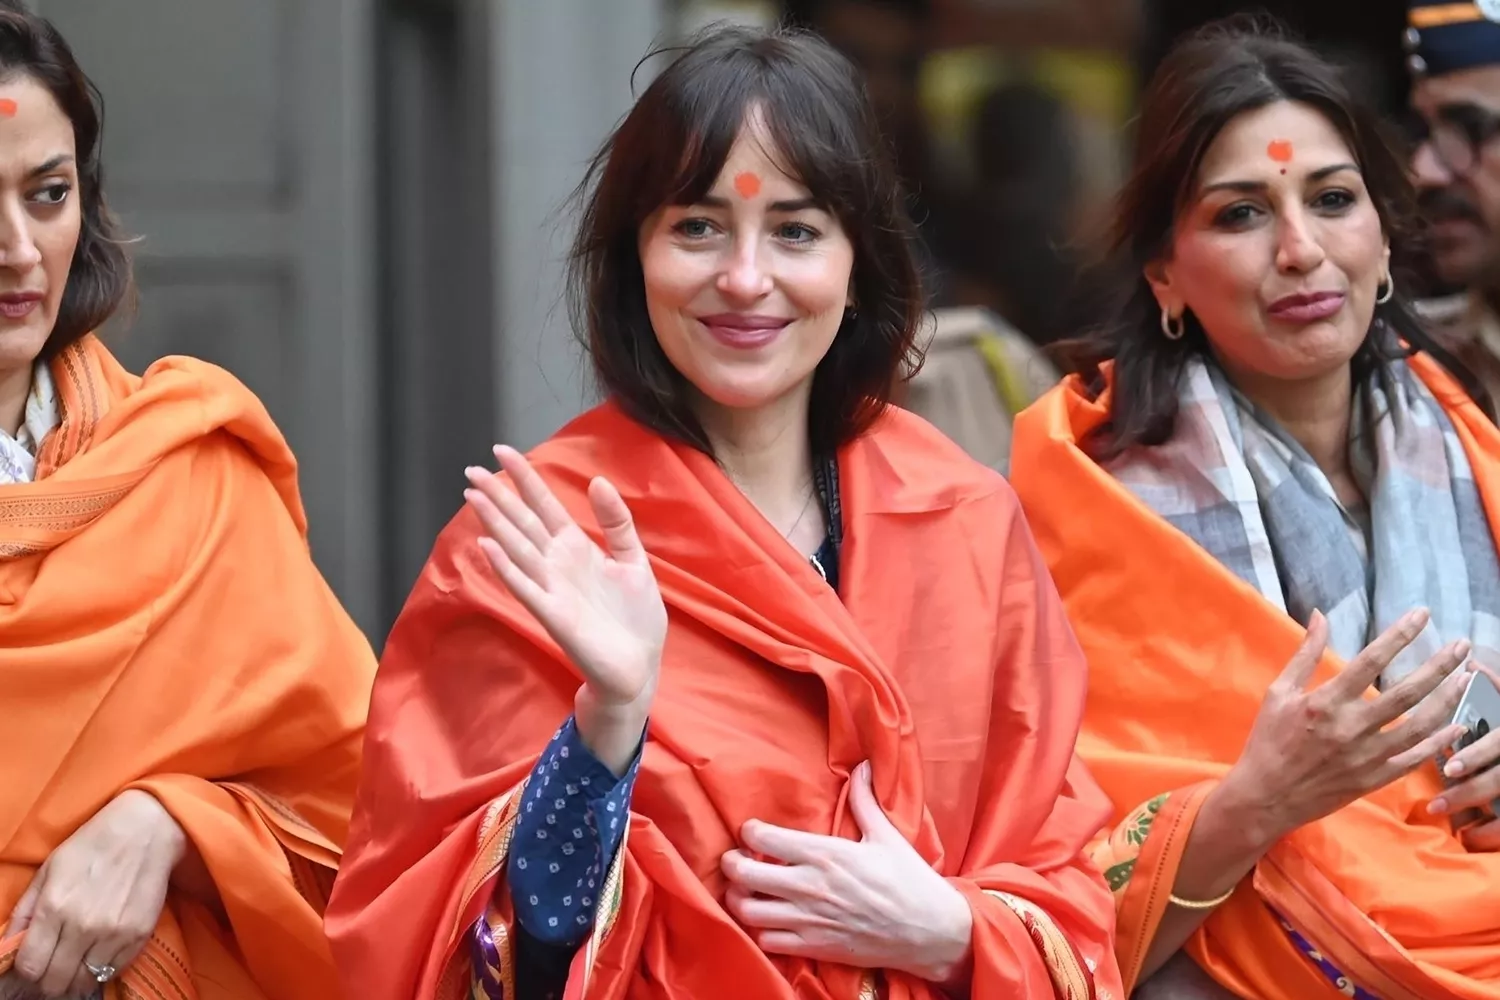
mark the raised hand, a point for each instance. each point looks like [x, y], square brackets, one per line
[1312, 752]
[601, 605]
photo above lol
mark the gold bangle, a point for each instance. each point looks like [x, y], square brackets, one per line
[1188, 904]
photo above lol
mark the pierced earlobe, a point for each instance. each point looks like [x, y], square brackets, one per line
[1173, 327]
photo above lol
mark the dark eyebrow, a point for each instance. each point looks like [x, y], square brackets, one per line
[1251, 187]
[794, 205]
[50, 165]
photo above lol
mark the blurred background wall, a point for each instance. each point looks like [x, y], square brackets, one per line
[360, 206]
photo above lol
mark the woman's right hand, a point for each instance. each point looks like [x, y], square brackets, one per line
[602, 607]
[1311, 752]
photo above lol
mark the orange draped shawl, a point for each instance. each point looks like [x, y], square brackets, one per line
[1182, 653]
[162, 627]
[948, 664]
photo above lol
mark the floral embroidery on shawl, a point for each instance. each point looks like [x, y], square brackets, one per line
[1117, 854]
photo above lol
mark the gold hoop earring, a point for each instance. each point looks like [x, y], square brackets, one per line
[1389, 285]
[1168, 329]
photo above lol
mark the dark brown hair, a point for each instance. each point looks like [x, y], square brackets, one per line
[100, 278]
[1220, 72]
[670, 149]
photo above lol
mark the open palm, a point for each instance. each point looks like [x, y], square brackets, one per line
[601, 605]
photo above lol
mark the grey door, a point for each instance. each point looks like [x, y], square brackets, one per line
[238, 147]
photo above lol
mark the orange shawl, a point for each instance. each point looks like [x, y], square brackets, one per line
[1182, 653]
[162, 627]
[949, 665]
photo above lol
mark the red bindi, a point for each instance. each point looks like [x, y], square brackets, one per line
[8, 108]
[1280, 150]
[747, 184]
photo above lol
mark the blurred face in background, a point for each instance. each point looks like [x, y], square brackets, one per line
[1456, 168]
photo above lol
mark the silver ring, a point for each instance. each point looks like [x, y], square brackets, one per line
[101, 973]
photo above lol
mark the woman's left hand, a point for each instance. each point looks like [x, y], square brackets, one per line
[873, 903]
[98, 897]
[1480, 786]
[1474, 795]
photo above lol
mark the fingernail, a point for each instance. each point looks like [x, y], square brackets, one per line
[1437, 807]
[1462, 647]
[1454, 768]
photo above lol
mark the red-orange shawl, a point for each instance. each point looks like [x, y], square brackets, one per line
[948, 664]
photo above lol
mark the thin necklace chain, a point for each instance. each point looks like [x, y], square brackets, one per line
[812, 492]
[806, 506]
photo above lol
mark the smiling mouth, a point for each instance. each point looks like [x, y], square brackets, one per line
[744, 332]
[18, 305]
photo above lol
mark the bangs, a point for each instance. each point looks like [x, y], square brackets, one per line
[807, 133]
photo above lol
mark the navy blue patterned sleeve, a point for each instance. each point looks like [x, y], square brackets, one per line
[566, 835]
[567, 831]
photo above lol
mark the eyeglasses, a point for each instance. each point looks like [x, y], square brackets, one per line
[1458, 134]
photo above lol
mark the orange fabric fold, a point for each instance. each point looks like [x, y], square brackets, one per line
[162, 627]
[1182, 653]
[948, 664]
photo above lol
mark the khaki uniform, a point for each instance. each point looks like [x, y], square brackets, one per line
[1469, 328]
[979, 373]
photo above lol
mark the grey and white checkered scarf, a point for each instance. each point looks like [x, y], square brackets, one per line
[1241, 487]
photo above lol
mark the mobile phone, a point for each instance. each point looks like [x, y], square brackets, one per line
[1478, 712]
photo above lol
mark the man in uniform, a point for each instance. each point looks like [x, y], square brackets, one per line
[1454, 55]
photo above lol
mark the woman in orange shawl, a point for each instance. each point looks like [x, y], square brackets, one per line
[184, 697]
[859, 776]
[1259, 503]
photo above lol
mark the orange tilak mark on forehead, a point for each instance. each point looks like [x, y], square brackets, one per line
[7, 108]
[1280, 150]
[747, 184]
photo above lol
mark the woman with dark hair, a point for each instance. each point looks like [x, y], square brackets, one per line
[858, 777]
[183, 696]
[1268, 500]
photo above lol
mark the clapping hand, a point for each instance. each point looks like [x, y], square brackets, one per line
[1315, 750]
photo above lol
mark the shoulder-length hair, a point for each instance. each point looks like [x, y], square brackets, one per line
[1225, 70]
[671, 148]
[100, 278]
